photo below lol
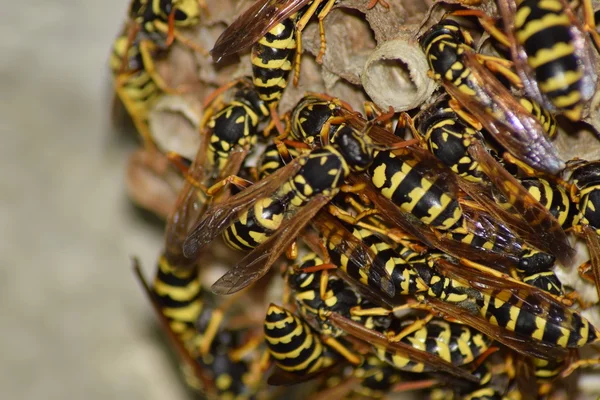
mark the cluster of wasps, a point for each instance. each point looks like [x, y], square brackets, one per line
[416, 252]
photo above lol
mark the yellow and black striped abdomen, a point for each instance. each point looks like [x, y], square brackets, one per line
[589, 207]
[553, 197]
[544, 31]
[543, 116]
[548, 323]
[255, 225]
[293, 345]
[410, 189]
[455, 343]
[272, 60]
[179, 294]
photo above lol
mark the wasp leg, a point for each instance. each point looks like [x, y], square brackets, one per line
[138, 115]
[321, 17]
[590, 22]
[585, 272]
[488, 23]
[415, 326]
[146, 47]
[233, 179]
[246, 349]
[342, 350]
[579, 364]
[275, 122]
[465, 116]
[161, 26]
[300, 25]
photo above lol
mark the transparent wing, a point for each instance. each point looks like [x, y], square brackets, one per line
[534, 223]
[509, 122]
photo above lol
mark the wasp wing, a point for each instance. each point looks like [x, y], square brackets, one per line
[220, 216]
[411, 225]
[356, 251]
[506, 120]
[258, 262]
[535, 223]
[253, 24]
[593, 244]
[375, 338]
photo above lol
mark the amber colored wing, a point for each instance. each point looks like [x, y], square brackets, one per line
[220, 216]
[356, 251]
[534, 223]
[509, 123]
[258, 262]
[375, 338]
[593, 244]
[253, 24]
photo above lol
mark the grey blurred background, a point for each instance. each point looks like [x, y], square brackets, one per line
[75, 323]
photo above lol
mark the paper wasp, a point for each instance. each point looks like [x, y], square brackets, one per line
[551, 52]
[457, 67]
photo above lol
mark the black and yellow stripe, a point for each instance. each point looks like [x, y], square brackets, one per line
[541, 321]
[293, 345]
[339, 297]
[272, 60]
[322, 172]
[236, 125]
[545, 32]
[179, 295]
[272, 159]
[449, 138]
[407, 184]
[454, 64]
[146, 12]
[553, 197]
[545, 118]
[586, 179]
[455, 343]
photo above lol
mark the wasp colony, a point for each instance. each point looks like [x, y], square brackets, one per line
[369, 198]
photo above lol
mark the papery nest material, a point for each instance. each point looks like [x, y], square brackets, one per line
[395, 75]
[151, 182]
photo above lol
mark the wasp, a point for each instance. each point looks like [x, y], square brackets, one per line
[136, 81]
[252, 217]
[552, 54]
[533, 322]
[265, 16]
[526, 215]
[319, 295]
[449, 138]
[457, 67]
